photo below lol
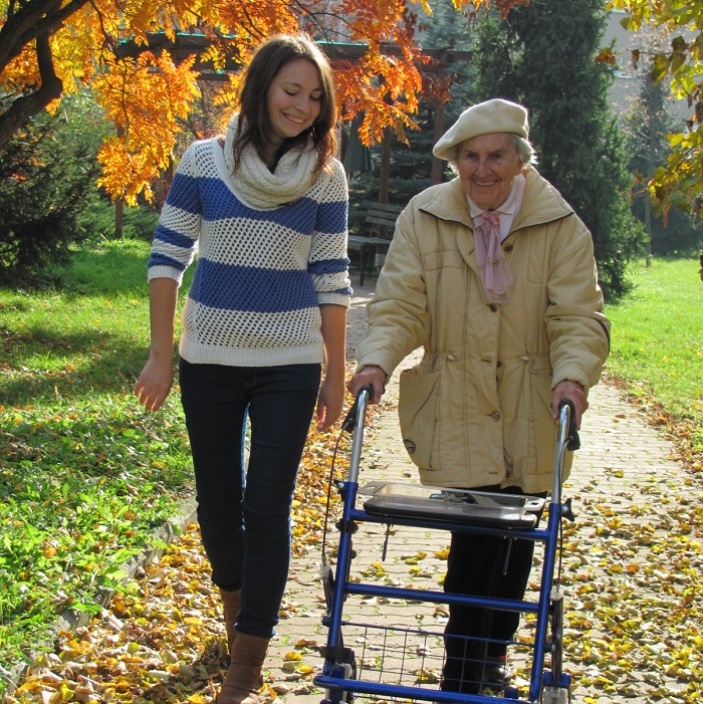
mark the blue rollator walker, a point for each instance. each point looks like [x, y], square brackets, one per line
[382, 672]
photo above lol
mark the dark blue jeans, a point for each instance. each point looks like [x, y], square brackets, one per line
[244, 511]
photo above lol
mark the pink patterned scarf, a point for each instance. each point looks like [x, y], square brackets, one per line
[494, 270]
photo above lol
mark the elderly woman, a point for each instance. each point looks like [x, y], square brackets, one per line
[493, 275]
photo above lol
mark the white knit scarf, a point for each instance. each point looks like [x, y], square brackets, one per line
[293, 177]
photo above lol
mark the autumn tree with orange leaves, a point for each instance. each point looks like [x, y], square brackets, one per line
[49, 48]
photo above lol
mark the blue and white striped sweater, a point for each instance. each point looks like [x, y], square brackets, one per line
[261, 274]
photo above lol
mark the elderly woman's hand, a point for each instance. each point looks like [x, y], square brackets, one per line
[571, 391]
[369, 376]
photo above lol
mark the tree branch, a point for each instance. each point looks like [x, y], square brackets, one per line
[28, 21]
[25, 107]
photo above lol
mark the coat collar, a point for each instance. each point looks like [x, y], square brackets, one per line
[541, 204]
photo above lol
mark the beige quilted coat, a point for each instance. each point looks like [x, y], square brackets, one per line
[476, 410]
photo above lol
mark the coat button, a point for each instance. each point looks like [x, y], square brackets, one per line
[509, 248]
[495, 416]
[493, 307]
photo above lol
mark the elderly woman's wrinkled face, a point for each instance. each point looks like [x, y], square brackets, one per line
[487, 165]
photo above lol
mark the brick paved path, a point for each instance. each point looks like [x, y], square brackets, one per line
[623, 486]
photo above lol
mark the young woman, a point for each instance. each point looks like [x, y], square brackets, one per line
[266, 207]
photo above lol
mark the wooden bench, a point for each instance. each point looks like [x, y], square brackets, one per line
[379, 225]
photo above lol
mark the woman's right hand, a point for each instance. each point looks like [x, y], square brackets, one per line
[154, 383]
[156, 379]
[369, 376]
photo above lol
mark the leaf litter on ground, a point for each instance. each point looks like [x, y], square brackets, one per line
[632, 568]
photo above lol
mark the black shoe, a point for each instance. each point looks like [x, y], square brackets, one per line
[496, 673]
[473, 676]
[463, 680]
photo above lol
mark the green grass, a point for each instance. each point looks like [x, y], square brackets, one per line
[86, 474]
[657, 340]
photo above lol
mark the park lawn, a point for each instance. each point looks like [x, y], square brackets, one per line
[86, 475]
[657, 341]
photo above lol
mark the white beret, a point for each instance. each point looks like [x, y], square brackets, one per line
[491, 116]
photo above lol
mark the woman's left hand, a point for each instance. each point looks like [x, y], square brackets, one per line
[330, 402]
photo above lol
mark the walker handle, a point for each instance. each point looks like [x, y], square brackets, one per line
[350, 420]
[574, 442]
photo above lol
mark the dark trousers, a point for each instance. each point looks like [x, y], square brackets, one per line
[482, 565]
[244, 511]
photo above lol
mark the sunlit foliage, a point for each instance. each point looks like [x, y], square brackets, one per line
[50, 49]
[679, 183]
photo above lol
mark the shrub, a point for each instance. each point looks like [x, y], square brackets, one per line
[46, 174]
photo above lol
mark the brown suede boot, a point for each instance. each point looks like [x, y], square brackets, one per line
[243, 681]
[231, 601]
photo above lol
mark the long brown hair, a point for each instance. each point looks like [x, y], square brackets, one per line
[256, 127]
